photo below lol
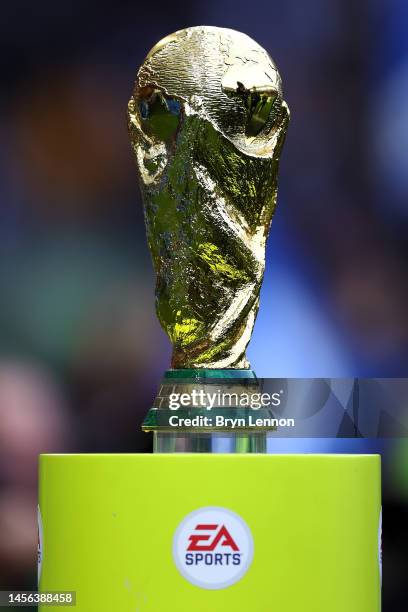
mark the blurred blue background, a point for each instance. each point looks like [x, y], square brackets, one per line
[81, 351]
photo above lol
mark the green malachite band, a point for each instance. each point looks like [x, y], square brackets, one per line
[204, 373]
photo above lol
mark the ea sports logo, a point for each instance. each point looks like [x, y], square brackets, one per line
[213, 548]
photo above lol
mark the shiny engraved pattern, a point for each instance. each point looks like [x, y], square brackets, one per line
[207, 124]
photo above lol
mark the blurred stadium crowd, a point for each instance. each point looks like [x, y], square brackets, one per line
[80, 348]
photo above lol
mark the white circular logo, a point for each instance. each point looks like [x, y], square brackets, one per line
[213, 548]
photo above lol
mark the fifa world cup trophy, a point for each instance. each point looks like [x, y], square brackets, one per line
[207, 122]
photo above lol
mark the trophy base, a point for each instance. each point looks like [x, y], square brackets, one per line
[204, 434]
[208, 532]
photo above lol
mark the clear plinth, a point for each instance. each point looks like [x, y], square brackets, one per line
[209, 443]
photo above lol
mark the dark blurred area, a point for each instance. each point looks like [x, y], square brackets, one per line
[81, 351]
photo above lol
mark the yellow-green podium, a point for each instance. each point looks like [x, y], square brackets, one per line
[110, 525]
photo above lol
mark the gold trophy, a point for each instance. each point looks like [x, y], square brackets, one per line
[207, 122]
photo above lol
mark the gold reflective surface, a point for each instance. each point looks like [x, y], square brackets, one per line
[207, 124]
